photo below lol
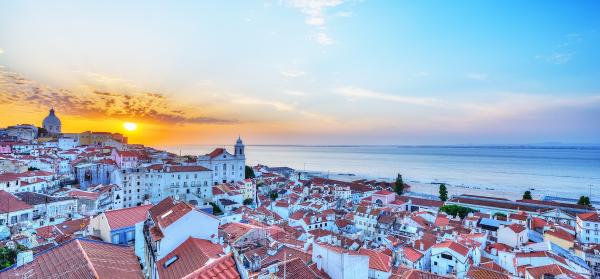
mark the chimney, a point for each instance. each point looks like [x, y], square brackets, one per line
[319, 262]
[24, 258]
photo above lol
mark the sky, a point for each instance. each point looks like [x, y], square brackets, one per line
[306, 71]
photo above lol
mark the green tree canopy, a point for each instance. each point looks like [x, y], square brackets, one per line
[248, 201]
[399, 185]
[443, 192]
[216, 209]
[455, 210]
[583, 200]
[249, 172]
[527, 195]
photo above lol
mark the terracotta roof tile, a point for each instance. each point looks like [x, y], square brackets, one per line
[126, 217]
[81, 258]
[9, 203]
[192, 255]
[454, 246]
[377, 260]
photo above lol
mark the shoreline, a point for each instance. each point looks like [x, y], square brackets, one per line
[432, 188]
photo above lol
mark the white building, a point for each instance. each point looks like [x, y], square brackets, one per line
[588, 228]
[169, 225]
[65, 143]
[49, 208]
[448, 258]
[156, 182]
[513, 235]
[51, 123]
[340, 263]
[13, 211]
[226, 167]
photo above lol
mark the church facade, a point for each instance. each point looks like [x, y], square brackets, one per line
[226, 167]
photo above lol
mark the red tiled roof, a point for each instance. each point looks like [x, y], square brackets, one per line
[223, 268]
[234, 231]
[161, 207]
[589, 217]
[377, 260]
[557, 204]
[407, 273]
[216, 152]
[81, 258]
[173, 214]
[295, 268]
[517, 228]
[126, 217]
[476, 272]
[493, 266]
[191, 255]
[412, 255]
[83, 194]
[383, 192]
[10, 203]
[551, 269]
[454, 246]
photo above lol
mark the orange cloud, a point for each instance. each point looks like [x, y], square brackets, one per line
[149, 107]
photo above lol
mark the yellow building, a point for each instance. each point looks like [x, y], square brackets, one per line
[561, 238]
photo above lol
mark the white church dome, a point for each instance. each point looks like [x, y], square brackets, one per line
[52, 123]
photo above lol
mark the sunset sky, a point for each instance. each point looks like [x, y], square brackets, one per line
[306, 71]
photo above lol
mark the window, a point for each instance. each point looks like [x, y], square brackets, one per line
[115, 239]
[447, 257]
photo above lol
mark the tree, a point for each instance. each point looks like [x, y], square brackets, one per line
[443, 192]
[216, 209]
[527, 195]
[32, 169]
[273, 195]
[455, 210]
[399, 185]
[583, 200]
[8, 256]
[248, 201]
[249, 172]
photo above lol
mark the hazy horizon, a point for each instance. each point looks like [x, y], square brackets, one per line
[306, 71]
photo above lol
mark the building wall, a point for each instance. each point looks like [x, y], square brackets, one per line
[340, 266]
[559, 241]
[99, 227]
[443, 266]
[587, 232]
[187, 226]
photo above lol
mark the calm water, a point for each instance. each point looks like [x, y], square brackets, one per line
[560, 170]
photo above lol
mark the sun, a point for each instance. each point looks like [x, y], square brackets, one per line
[130, 126]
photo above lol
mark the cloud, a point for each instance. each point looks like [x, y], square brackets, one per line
[324, 39]
[315, 12]
[477, 76]
[564, 51]
[421, 74]
[556, 58]
[294, 93]
[280, 106]
[314, 9]
[360, 93]
[292, 73]
[145, 106]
